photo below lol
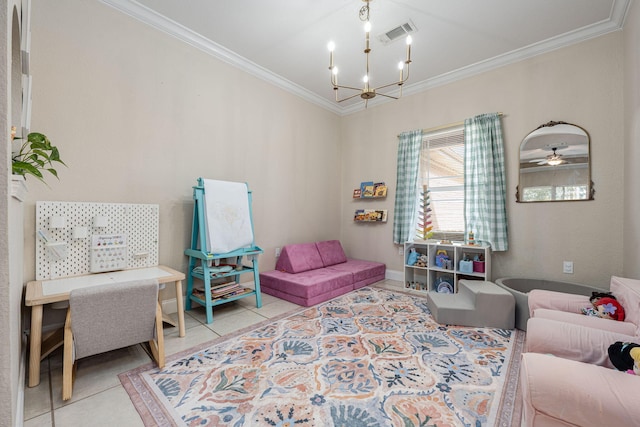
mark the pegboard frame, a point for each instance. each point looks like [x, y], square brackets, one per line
[139, 221]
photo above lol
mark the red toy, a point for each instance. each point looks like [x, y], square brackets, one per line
[609, 308]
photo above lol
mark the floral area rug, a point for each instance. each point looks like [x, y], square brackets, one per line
[371, 358]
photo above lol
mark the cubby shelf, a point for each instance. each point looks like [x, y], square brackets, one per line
[431, 276]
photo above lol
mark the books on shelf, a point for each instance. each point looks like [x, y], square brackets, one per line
[369, 189]
[380, 190]
[366, 189]
[370, 215]
[222, 291]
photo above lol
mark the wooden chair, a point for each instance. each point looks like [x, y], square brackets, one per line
[109, 317]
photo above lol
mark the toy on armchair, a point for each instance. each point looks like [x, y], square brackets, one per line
[625, 356]
[604, 305]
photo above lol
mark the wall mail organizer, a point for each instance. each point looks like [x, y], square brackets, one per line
[71, 235]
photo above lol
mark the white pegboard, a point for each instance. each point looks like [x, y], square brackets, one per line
[140, 222]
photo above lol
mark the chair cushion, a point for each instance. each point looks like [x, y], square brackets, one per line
[108, 317]
[331, 252]
[298, 258]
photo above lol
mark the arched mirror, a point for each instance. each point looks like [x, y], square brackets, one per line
[555, 164]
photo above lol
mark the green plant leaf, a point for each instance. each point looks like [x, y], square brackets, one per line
[36, 137]
[24, 168]
[36, 155]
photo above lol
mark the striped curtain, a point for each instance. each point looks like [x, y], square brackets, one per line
[484, 181]
[406, 185]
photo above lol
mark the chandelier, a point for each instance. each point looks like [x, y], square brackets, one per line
[367, 92]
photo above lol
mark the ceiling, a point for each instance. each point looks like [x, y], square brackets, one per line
[285, 41]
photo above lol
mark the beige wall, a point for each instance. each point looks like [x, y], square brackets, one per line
[581, 84]
[12, 361]
[632, 142]
[139, 116]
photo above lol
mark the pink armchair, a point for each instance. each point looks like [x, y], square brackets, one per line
[561, 392]
[559, 328]
[566, 376]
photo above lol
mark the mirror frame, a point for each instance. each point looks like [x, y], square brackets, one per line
[590, 189]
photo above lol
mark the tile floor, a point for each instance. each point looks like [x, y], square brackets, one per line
[98, 397]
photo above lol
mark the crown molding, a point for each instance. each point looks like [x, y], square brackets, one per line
[174, 29]
[132, 8]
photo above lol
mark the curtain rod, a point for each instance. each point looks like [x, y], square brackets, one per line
[450, 125]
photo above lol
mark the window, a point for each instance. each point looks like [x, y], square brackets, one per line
[546, 193]
[442, 171]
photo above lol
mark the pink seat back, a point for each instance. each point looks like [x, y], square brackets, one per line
[299, 257]
[331, 252]
[627, 291]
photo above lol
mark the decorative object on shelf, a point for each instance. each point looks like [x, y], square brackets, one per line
[370, 215]
[442, 259]
[424, 230]
[444, 287]
[34, 156]
[466, 264]
[422, 261]
[357, 193]
[444, 284]
[412, 257]
[420, 286]
[478, 263]
[471, 241]
[367, 92]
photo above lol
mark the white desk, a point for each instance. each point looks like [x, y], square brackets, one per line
[40, 292]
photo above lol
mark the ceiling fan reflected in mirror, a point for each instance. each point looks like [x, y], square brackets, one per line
[553, 159]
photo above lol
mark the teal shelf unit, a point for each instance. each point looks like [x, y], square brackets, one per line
[199, 256]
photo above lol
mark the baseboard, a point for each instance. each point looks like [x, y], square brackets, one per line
[22, 370]
[394, 275]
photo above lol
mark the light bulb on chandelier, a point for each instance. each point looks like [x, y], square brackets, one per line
[367, 92]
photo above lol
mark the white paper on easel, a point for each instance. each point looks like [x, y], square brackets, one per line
[228, 218]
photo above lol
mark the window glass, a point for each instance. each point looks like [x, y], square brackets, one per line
[442, 171]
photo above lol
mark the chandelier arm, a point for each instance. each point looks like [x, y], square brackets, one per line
[389, 85]
[348, 97]
[359, 89]
[388, 96]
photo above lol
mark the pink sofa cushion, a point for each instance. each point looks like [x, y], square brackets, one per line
[361, 270]
[307, 284]
[298, 258]
[571, 341]
[626, 328]
[331, 252]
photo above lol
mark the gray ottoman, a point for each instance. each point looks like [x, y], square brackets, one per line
[477, 303]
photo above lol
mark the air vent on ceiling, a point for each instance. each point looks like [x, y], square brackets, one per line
[398, 32]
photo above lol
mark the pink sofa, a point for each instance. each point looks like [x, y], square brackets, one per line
[311, 273]
[566, 375]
